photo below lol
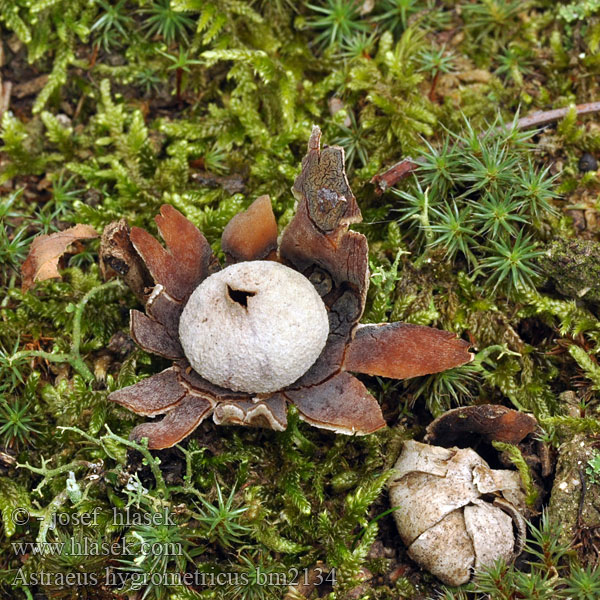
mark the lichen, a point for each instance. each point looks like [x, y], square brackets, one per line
[574, 268]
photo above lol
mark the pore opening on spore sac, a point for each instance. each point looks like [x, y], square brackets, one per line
[240, 296]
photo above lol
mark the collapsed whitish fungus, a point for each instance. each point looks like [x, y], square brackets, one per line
[254, 327]
[455, 513]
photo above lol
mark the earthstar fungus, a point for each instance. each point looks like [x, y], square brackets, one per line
[455, 513]
[253, 327]
[319, 253]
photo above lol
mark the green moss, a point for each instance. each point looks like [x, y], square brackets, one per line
[206, 105]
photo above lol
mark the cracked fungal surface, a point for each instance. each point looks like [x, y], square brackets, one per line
[456, 514]
[329, 260]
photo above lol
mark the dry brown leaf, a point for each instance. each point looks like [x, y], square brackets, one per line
[42, 261]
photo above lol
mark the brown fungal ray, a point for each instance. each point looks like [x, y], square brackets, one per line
[251, 234]
[488, 421]
[323, 184]
[164, 309]
[334, 259]
[329, 363]
[325, 243]
[153, 396]
[178, 423]
[403, 350]
[318, 234]
[343, 315]
[341, 404]
[341, 254]
[270, 413]
[117, 255]
[201, 386]
[187, 260]
[153, 337]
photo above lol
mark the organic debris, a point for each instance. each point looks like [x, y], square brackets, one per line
[46, 251]
[441, 514]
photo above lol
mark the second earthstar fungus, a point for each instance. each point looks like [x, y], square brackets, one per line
[319, 246]
[455, 513]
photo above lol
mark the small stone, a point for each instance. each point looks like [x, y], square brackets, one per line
[587, 163]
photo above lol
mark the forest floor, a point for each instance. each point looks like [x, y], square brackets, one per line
[110, 109]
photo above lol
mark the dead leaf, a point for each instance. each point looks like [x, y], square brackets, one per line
[31, 87]
[42, 261]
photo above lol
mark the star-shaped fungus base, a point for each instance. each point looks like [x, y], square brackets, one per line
[318, 244]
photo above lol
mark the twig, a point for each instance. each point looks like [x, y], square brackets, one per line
[405, 167]
[5, 90]
[393, 175]
[548, 116]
